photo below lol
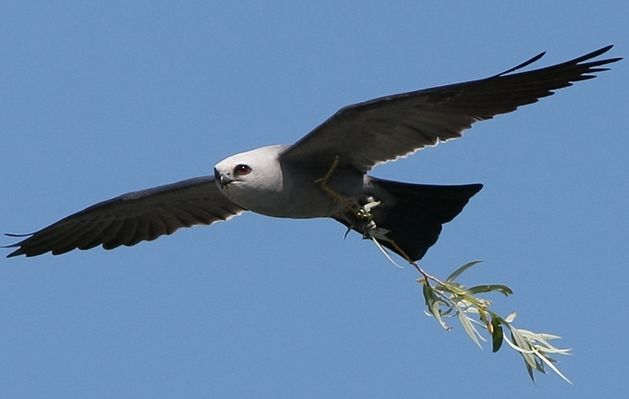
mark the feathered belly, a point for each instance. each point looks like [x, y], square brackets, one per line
[307, 202]
[309, 199]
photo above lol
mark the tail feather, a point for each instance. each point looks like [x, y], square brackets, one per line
[416, 213]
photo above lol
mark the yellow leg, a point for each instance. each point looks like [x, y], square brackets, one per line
[323, 183]
[323, 180]
[362, 213]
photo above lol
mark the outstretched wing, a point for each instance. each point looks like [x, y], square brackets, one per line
[366, 134]
[133, 217]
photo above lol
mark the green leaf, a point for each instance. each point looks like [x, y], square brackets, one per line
[432, 303]
[469, 328]
[549, 362]
[496, 334]
[510, 317]
[529, 369]
[429, 295]
[434, 309]
[461, 269]
[479, 289]
[540, 341]
[525, 349]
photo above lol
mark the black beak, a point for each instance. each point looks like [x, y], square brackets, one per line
[221, 179]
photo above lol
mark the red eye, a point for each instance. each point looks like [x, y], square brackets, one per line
[241, 170]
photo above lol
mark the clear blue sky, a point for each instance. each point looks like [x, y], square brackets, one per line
[101, 98]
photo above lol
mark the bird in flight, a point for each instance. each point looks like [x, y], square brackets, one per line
[324, 174]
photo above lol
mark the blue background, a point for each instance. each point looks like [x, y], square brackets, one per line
[101, 98]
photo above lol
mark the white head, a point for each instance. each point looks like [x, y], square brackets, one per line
[251, 179]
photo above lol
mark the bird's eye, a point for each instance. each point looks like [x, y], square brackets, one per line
[241, 170]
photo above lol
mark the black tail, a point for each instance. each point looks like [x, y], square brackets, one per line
[414, 215]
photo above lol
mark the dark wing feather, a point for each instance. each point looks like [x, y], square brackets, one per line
[132, 217]
[366, 134]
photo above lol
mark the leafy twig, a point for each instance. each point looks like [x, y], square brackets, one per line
[449, 298]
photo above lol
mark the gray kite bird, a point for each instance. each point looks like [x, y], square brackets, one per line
[324, 174]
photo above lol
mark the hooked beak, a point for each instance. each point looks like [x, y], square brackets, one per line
[222, 180]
